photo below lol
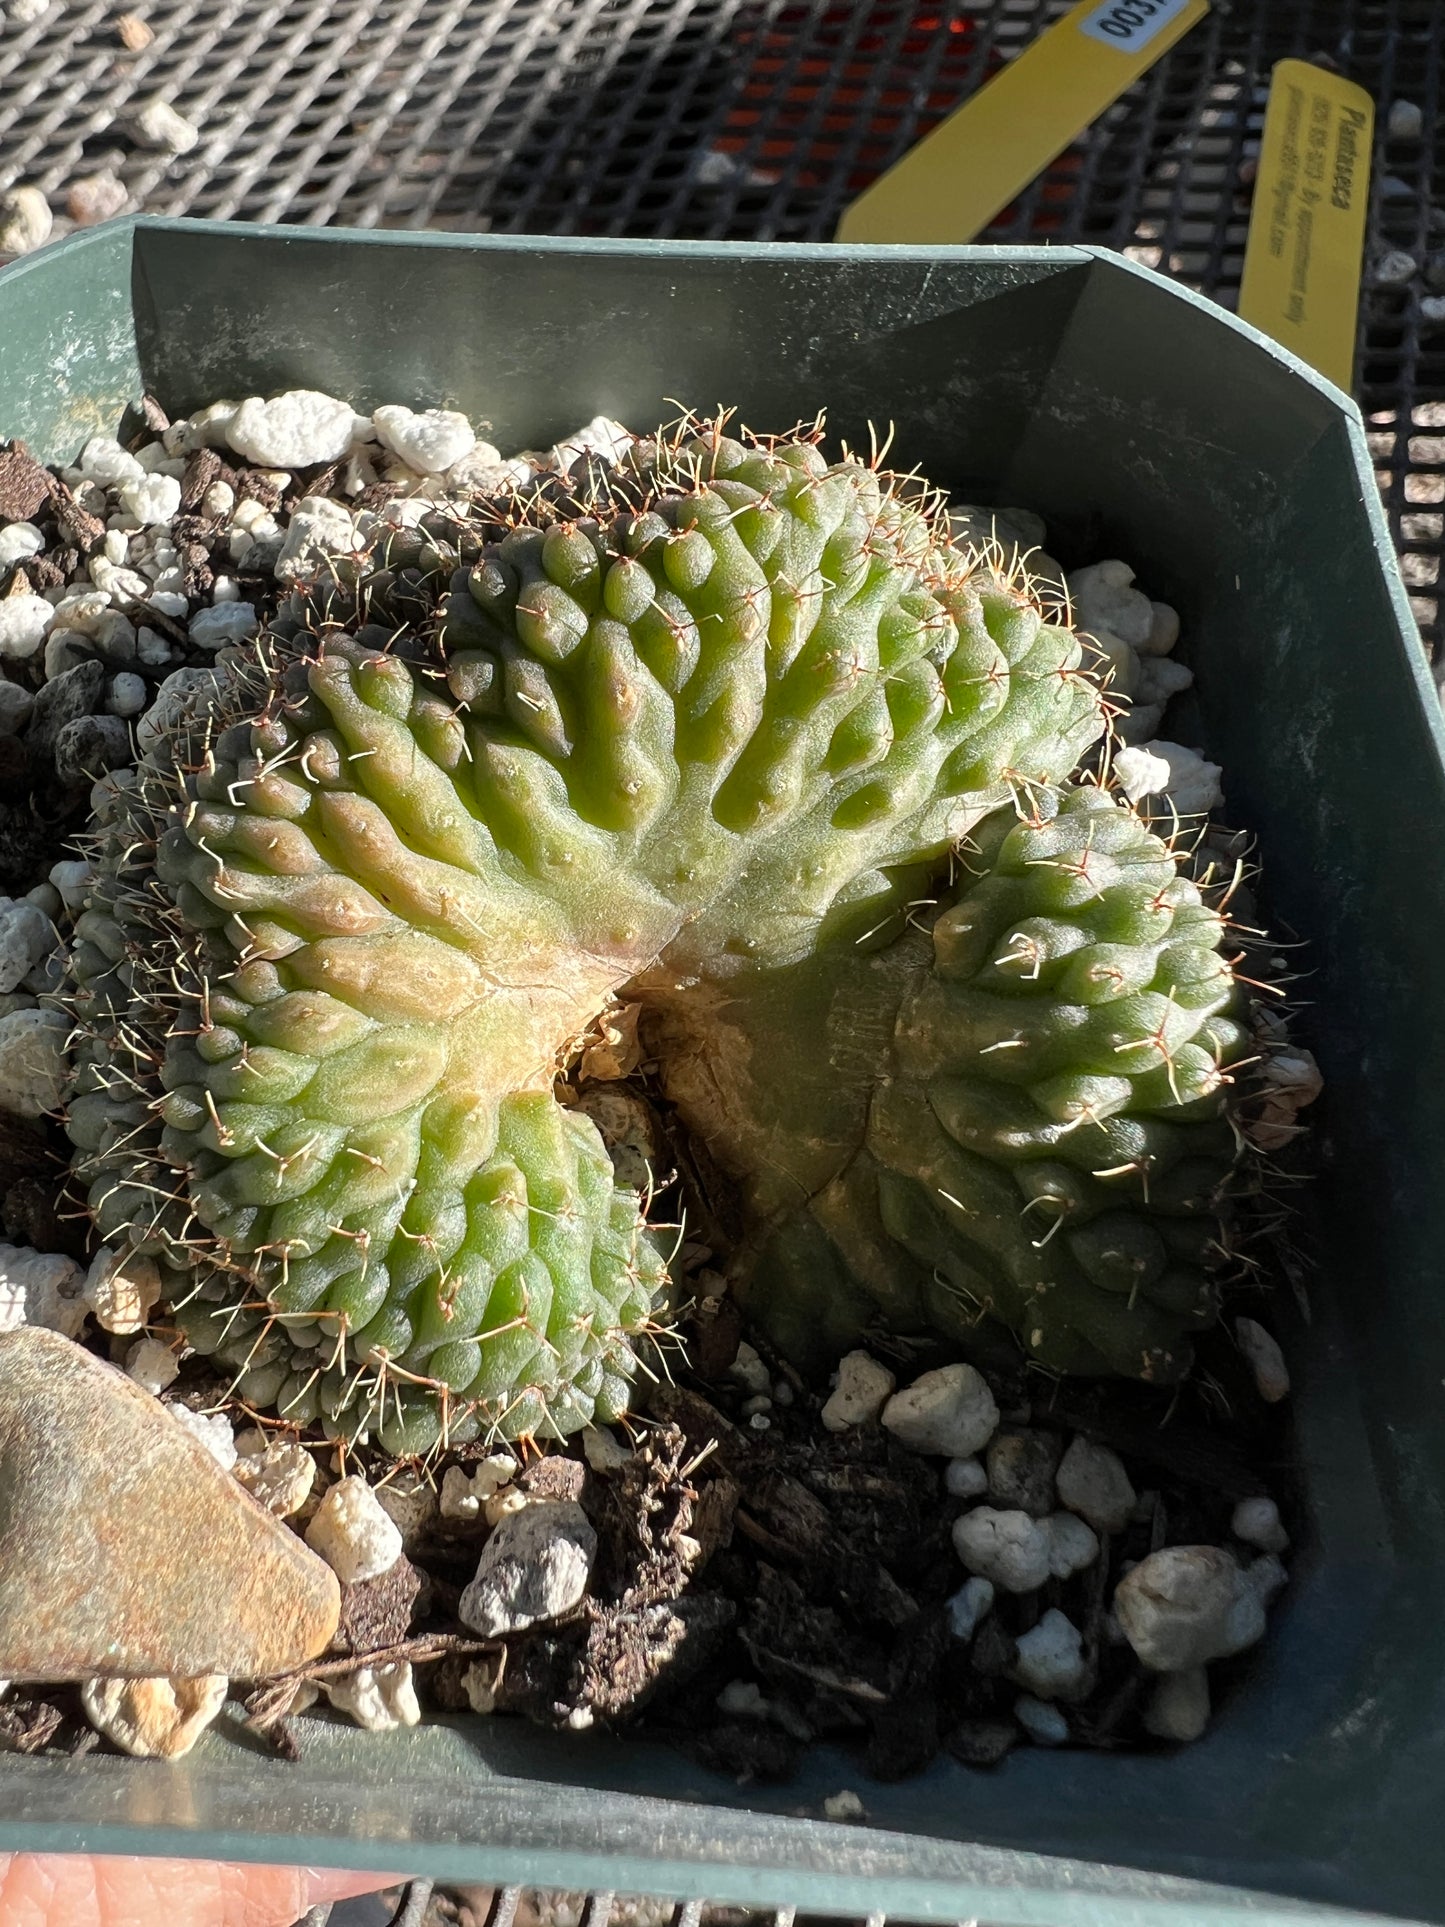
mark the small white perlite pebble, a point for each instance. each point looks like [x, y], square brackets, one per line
[379, 1698]
[26, 936]
[121, 1288]
[949, 1412]
[24, 620]
[1265, 1359]
[152, 1364]
[969, 1607]
[965, 1478]
[1044, 1724]
[428, 440]
[352, 1532]
[1072, 1544]
[1051, 1663]
[294, 430]
[152, 499]
[1258, 1523]
[1011, 1549]
[277, 1472]
[213, 1429]
[749, 1371]
[33, 1068]
[224, 623]
[1092, 1482]
[1178, 1708]
[154, 1719]
[1184, 1606]
[466, 1491]
[1179, 775]
[158, 125]
[17, 541]
[863, 1389]
[535, 1565]
[40, 1288]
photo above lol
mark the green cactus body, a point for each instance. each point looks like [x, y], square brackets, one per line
[352, 916]
[1034, 1132]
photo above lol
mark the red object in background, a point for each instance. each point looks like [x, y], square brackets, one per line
[805, 55]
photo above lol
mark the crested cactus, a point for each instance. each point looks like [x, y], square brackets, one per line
[707, 734]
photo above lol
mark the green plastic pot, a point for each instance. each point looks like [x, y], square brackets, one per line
[1140, 421]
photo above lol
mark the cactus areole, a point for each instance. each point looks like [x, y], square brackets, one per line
[743, 734]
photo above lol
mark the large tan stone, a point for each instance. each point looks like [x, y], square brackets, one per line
[125, 1550]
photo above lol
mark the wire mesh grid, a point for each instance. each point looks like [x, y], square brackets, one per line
[736, 118]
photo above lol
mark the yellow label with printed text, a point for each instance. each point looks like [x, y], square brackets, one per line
[1307, 228]
[952, 184]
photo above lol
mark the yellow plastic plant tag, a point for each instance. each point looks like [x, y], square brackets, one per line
[1307, 228]
[957, 178]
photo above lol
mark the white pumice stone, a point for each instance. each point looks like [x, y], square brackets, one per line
[24, 622]
[153, 1365]
[158, 125]
[127, 694]
[1262, 1353]
[353, 1533]
[863, 1389]
[742, 1699]
[1051, 1663]
[1044, 1724]
[970, 1606]
[1092, 1482]
[1257, 1523]
[965, 1478]
[34, 1071]
[1163, 630]
[18, 541]
[465, 1491]
[379, 1698]
[1161, 679]
[949, 1412]
[1171, 771]
[122, 1288]
[1103, 597]
[430, 440]
[154, 1719]
[104, 462]
[213, 1429]
[1073, 1546]
[294, 430]
[40, 1288]
[1184, 1606]
[152, 648]
[26, 222]
[224, 623]
[749, 1371]
[151, 499]
[1178, 1708]
[277, 1472]
[1010, 1548]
